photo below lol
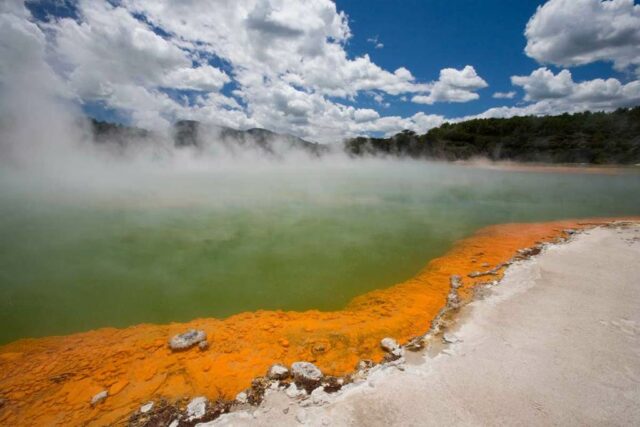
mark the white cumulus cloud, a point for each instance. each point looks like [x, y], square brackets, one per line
[453, 86]
[551, 93]
[204, 77]
[543, 84]
[284, 65]
[504, 95]
[576, 32]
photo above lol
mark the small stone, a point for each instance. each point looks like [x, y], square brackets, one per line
[174, 423]
[256, 393]
[242, 397]
[455, 281]
[306, 372]
[278, 372]
[197, 408]
[293, 391]
[453, 300]
[99, 397]
[332, 384]
[146, 407]
[450, 338]
[475, 274]
[391, 346]
[415, 344]
[203, 345]
[285, 411]
[570, 231]
[364, 365]
[187, 339]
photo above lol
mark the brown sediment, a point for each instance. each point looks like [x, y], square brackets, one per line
[50, 381]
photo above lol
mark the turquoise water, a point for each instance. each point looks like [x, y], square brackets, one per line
[159, 247]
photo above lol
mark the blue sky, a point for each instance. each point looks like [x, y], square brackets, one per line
[325, 70]
[425, 36]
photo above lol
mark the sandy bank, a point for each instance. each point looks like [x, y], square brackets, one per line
[556, 342]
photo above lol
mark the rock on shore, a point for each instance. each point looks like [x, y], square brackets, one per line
[188, 339]
[554, 343]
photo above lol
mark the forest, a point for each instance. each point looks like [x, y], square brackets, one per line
[589, 137]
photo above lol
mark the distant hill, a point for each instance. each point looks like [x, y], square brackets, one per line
[194, 133]
[599, 138]
[190, 133]
[105, 132]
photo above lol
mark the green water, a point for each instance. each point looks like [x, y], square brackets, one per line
[160, 247]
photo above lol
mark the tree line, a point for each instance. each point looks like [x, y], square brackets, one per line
[598, 138]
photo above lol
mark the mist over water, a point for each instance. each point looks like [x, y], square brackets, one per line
[171, 244]
[91, 236]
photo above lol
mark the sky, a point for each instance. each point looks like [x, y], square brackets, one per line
[324, 70]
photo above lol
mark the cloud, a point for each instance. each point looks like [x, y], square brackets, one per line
[283, 65]
[109, 45]
[453, 86]
[301, 43]
[23, 43]
[109, 56]
[365, 115]
[552, 94]
[279, 64]
[576, 32]
[504, 95]
[543, 84]
[376, 42]
[390, 125]
[203, 78]
[15, 7]
[35, 103]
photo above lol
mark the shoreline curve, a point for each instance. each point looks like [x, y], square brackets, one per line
[51, 380]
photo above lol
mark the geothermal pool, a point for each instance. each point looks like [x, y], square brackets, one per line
[158, 245]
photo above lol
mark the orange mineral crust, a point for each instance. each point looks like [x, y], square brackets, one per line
[50, 381]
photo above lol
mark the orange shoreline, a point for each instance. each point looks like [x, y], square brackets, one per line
[50, 381]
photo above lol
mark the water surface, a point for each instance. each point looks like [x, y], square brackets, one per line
[160, 247]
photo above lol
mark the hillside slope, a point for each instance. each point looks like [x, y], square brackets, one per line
[191, 133]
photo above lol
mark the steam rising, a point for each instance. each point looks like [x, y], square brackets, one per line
[46, 141]
[112, 233]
